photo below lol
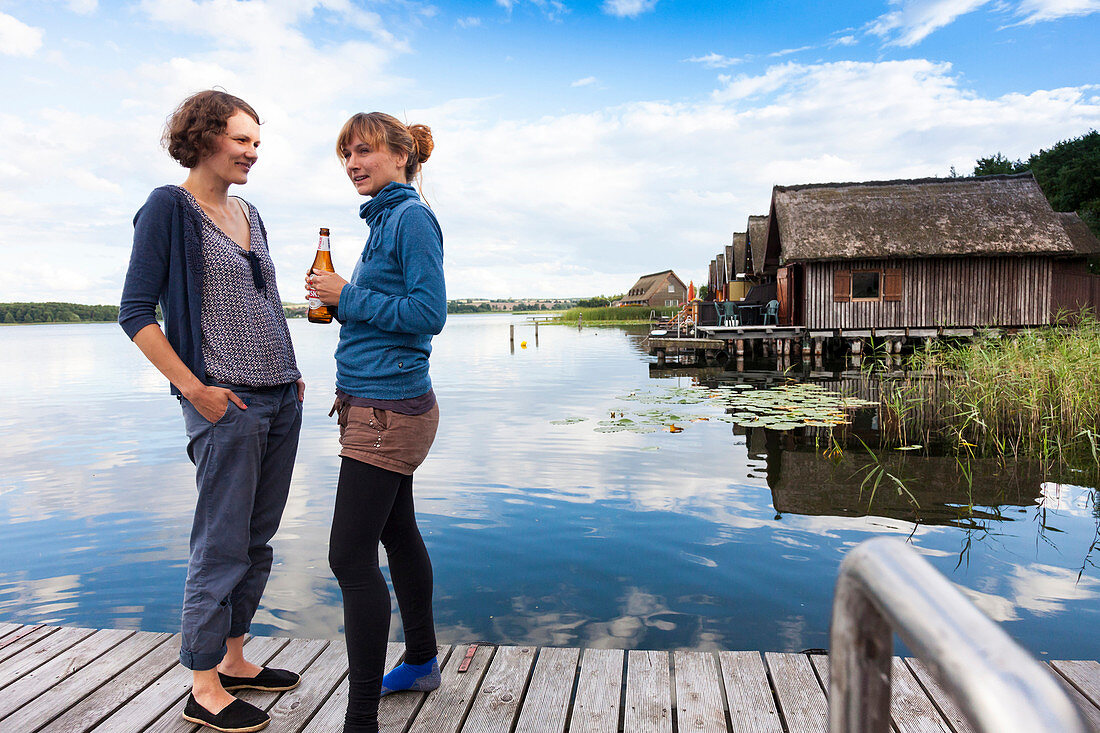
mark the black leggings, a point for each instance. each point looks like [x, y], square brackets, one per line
[374, 504]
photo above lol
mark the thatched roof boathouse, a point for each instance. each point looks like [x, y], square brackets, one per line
[657, 290]
[756, 249]
[922, 254]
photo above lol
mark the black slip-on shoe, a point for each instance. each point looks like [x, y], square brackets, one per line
[236, 717]
[269, 680]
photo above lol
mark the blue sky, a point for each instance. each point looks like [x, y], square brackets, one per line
[578, 144]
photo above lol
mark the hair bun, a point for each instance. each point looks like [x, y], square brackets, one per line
[422, 138]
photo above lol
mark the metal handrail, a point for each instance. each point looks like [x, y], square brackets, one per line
[883, 587]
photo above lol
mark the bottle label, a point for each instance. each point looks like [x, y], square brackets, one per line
[312, 298]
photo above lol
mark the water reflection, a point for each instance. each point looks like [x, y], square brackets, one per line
[716, 537]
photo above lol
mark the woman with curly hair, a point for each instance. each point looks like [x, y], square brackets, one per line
[226, 350]
[389, 311]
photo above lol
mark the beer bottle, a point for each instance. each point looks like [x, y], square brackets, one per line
[318, 311]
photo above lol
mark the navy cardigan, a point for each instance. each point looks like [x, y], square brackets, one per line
[166, 267]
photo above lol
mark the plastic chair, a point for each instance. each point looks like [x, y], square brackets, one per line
[731, 313]
[771, 310]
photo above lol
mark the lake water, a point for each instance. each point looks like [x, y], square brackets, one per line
[539, 533]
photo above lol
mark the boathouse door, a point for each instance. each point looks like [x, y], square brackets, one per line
[783, 294]
[788, 291]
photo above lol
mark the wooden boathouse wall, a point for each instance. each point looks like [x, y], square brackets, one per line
[1074, 287]
[938, 291]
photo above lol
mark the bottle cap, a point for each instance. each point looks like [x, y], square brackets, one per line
[324, 232]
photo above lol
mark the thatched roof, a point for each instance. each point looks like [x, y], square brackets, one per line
[931, 217]
[737, 262]
[758, 240]
[1084, 241]
[647, 286]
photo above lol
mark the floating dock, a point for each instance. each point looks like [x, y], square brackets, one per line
[72, 680]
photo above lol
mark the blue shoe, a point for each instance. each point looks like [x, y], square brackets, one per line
[416, 677]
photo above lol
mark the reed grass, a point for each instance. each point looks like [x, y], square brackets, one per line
[1032, 395]
[625, 314]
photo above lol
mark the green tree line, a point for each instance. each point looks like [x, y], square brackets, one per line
[56, 313]
[1068, 172]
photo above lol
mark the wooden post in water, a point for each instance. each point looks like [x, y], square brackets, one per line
[536, 333]
[512, 333]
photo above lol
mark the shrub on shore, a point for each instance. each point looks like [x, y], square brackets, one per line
[631, 313]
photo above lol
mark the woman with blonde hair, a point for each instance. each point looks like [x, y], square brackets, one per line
[393, 305]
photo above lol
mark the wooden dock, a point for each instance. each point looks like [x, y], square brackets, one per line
[71, 680]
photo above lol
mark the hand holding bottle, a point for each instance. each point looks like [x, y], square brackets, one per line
[327, 285]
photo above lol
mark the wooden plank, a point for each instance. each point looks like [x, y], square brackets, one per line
[330, 716]
[48, 700]
[36, 682]
[114, 693]
[948, 708]
[150, 704]
[748, 694]
[699, 704]
[599, 692]
[910, 707]
[295, 707]
[445, 709]
[1084, 675]
[1090, 711]
[648, 706]
[296, 655]
[547, 701]
[496, 706]
[33, 641]
[395, 712]
[46, 650]
[801, 699]
[20, 639]
[7, 628]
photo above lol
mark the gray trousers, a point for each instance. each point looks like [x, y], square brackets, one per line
[244, 462]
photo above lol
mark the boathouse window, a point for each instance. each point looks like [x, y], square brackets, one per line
[867, 285]
[672, 288]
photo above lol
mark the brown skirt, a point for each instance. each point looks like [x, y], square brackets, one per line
[386, 439]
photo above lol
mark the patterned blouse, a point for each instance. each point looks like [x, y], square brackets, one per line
[245, 339]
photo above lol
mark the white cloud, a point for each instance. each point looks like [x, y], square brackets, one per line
[789, 51]
[552, 9]
[717, 61]
[17, 38]
[469, 22]
[628, 8]
[915, 20]
[1035, 11]
[585, 82]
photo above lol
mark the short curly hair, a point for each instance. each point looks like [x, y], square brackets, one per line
[191, 132]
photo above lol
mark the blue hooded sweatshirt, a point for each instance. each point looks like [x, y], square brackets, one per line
[395, 302]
